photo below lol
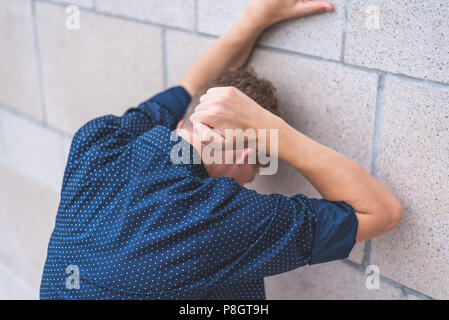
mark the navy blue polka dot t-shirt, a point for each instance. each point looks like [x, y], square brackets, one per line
[131, 224]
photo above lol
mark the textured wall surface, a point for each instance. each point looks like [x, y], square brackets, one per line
[378, 93]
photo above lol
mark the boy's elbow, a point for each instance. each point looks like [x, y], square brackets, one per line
[380, 221]
[394, 215]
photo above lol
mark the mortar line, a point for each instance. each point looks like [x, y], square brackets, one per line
[354, 265]
[406, 289]
[66, 3]
[409, 291]
[37, 55]
[14, 276]
[389, 281]
[118, 16]
[164, 57]
[377, 126]
[366, 254]
[35, 121]
[424, 82]
[196, 17]
[345, 26]
[375, 152]
[2, 137]
[403, 295]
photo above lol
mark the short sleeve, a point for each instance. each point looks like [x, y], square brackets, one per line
[256, 235]
[166, 108]
[176, 100]
[335, 230]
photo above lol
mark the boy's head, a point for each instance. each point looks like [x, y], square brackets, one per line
[260, 90]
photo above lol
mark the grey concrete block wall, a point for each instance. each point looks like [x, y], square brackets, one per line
[414, 162]
[82, 3]
[379, 96]
[320, 35]
[419, 27]
[182, 49]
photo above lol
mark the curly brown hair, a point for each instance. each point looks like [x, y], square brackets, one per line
[246, 80]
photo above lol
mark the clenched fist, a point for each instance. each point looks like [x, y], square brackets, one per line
[223, 108]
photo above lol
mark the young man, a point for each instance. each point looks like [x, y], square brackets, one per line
[134, 225]
[241, 168]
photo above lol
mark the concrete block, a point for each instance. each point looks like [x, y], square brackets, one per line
[357, 253]
[82, 3]
[34, 149]
[327, 281]
[331, 103]
[176, 13]
[318, 35]
[414, 164]
[182, 50]
[215, 16]
[27, 216]
[412, 39]
[105, 67]
[19, 79]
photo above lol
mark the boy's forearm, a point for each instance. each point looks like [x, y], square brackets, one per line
[335, 176]
[234, 47]
[230, 51]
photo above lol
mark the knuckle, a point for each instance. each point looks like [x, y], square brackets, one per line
[233, 90]
[216, 113]
[230, 90]
[220, 100]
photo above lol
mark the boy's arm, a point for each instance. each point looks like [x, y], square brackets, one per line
[338, 178]
[233, 48]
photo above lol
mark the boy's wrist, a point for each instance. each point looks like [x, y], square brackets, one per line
[289, 142]
[254, 20]
[284, 130]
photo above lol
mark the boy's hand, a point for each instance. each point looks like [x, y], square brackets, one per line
[268, 12]
[224, 108]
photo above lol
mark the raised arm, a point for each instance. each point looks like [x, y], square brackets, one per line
[233, 48]
[335, 176]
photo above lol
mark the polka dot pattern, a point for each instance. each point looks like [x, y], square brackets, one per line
[138, 226]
